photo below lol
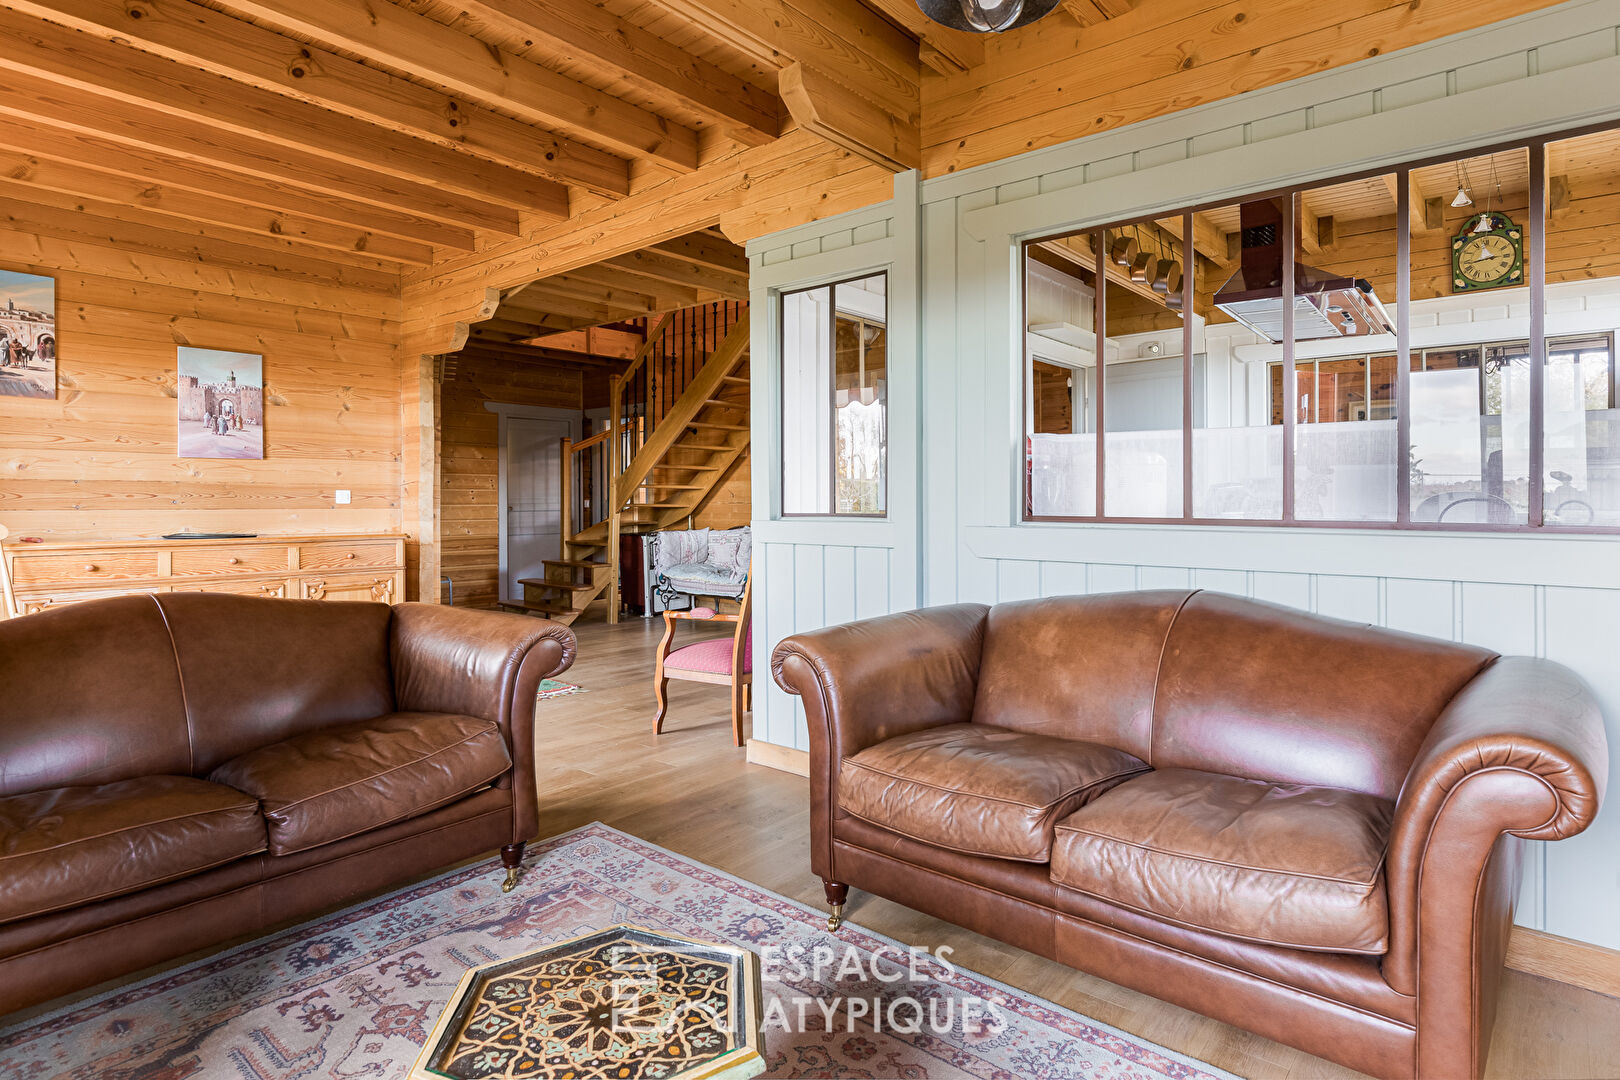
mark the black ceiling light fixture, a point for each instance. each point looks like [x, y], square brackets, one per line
[986, 16]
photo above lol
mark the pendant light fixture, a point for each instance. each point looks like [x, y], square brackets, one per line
[986, 16]
[1462, 198]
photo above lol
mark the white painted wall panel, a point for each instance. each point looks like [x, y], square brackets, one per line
[957, 237]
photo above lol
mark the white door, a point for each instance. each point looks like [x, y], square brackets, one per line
[533, 470]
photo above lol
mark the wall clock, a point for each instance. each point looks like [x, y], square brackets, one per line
[1487, 254]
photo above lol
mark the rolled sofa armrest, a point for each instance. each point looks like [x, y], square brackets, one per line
[868, 681]
[1520, 751]
[486, 664]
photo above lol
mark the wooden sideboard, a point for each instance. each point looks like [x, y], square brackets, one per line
[302, 567]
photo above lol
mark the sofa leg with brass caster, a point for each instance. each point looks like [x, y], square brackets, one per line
[837, 892]
[512, 859]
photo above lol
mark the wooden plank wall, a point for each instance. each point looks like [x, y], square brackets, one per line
[1162, 57]
[469, 460]
[732, 504]
[98, 462]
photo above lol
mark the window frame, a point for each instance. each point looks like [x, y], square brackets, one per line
[779, 301]
[1535, 261]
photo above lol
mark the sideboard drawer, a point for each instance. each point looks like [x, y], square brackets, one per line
[276, 588]
[39, 600]
[82, 570]
[382, 588]
[246, 559]
[348, 556]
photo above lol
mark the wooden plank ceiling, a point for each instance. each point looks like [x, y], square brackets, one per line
[396, 133]
[543, 320]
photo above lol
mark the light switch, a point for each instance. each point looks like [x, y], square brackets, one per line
[343, 496]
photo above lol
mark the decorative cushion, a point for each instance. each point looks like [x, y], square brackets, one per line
[70, 846]
[334, 783]
[712, 656]
[979, 789]
[724, 548]
[678, 546]
[1284, 864]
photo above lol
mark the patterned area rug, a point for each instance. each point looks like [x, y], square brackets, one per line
[550, 688]
[353, 995]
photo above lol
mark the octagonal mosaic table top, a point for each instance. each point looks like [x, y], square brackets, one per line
[624, 1003]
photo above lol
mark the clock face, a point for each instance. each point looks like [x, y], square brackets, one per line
[1485, 259]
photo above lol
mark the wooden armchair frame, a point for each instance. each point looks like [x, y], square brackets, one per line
[740, 681]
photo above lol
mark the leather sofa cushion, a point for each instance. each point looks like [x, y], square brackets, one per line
[978, 789]
[1283, 864]
[67, 847]
[330, 784]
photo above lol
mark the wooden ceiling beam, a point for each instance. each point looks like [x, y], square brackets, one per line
[33, 98]
[652, 266]
[415, 43]
[163, 174]
[126, 236]
[946, 51]
[281, 228]
[533, 309]
[589, 34]
[70, 58]
[190, 33]
[844, 117]
[704, 249]
[611, 283]
[540, 354]
[566, 288]
[847, 73]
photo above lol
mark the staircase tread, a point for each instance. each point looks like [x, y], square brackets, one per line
[713, 424]
[689, 468]
[546, 609]
[573, 562]
[700, 446]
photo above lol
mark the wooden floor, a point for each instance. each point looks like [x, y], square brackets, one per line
[691, 791]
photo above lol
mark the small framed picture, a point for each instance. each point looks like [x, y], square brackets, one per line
[221, 404]
[27, 335]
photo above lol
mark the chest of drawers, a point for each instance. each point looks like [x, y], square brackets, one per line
[363, 567]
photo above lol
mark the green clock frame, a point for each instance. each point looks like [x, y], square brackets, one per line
[1510, 232]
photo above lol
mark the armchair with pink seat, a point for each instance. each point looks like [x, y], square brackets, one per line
[724, 661]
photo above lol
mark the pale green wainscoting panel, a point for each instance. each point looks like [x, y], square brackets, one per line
[954, 532]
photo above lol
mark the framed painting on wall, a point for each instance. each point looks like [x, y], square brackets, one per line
[221, 404]
[27, 335]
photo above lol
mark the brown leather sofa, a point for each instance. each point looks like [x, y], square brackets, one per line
[177, 770]
[1304, 827]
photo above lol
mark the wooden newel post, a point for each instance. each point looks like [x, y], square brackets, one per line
[567, 518]
[613, 501]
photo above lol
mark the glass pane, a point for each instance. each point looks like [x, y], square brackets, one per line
[1237, 372]
[807, 423]
[1345, 457]
[1470, 457]
[860, 396]
[1060, 346]
[1142, 372]
[1583, 274]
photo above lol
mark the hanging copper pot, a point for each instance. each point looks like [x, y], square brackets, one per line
[1123, 249]
[1162, 284]
[1141, 266]
[1172, 287]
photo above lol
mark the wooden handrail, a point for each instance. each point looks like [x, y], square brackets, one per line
[600, 436]
[653, 337]
[696, 394]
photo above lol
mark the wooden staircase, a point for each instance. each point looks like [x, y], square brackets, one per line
[677, 456]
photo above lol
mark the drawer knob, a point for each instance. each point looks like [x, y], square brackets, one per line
[233, 560]
[350, 555]
[89, 567]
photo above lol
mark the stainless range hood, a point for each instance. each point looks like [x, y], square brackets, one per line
[1325, 305]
